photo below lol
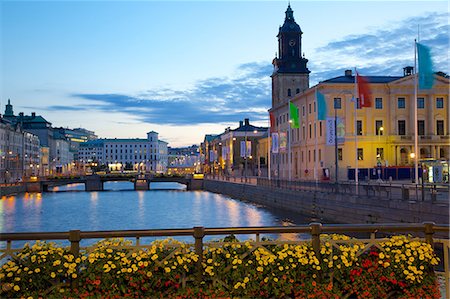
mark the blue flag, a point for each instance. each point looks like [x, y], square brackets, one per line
[321, 107]
[426, 76]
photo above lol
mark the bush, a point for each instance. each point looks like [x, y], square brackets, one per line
[396, 268]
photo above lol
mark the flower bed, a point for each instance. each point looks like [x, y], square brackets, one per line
[398, 267]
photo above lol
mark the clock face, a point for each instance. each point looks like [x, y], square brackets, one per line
[292, 43]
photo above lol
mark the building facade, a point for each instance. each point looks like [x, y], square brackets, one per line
[235, 152]
[365, 138]
[19, 153]
[143, 155]
[60, 158]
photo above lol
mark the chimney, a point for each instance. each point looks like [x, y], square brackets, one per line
[21, 114]
[348, 73]
[240, 123]
[408, 71]
[246, 121]
[33, 114]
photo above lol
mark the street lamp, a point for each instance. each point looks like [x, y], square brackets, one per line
[245, 154]
[412, 156]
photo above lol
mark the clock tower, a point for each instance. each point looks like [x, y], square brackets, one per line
[290, 75]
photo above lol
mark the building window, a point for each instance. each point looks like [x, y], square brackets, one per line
[309, 108]
[378, 103]
[401, 127]
[337, 103]
[360, 154]
[320, 128]
[401, 103]
[421, 127]
[297, 90]
[420, 103]
[359, 127]
[379, 127]
[340, 154]
[380, 153]
[303, 110]
[310, 131]
[289, 92]
[439, 103]
[440, 127]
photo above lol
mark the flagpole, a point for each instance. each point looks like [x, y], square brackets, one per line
[316, 154]
[356, 126]
[269, 147]
[416, 143]
[289, 141]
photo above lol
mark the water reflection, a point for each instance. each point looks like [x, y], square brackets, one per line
[127, 210]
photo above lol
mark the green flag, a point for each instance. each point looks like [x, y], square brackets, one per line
[293, 116]
[426, 76]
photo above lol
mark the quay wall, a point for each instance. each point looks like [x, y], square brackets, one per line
[335, 207]
[13, 189]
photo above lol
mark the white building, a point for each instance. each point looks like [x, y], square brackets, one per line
[146, 155]
[19, 152]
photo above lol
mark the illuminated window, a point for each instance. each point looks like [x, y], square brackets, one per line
[360, 154]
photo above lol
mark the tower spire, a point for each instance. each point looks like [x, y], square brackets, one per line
[289, 12]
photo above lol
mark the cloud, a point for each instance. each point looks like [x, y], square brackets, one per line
[213, 100]
[386, 51]
[247, 93]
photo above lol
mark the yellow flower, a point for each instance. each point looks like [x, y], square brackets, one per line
[275, 279]
[16, 288]
[52, 275]
[37, 270]
[167, 269]
[74, 275]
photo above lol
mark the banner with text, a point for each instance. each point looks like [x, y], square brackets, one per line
[283, 141]
[275, 143]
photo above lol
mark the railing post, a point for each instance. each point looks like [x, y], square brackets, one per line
[316, 228]
[199, 233]
[74, 238]
[429, 232]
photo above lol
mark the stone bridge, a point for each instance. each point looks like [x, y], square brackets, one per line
[95, 182]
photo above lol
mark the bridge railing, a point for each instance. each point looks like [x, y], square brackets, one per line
[368, 234]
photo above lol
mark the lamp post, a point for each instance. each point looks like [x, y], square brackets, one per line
[245, 154]
[412, 156]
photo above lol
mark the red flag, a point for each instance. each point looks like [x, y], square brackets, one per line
[364, 94]
[272, 122]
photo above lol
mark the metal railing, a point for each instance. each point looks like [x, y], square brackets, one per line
[436, 235]
[400, 191]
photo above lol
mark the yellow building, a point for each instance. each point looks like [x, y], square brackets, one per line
[384, 132]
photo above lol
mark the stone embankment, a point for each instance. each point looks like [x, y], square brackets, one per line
[335, 207]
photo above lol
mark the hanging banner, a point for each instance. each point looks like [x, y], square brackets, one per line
[248, 149]
[224, 153]
[242, 149]
[275, 143]
[283, 141]
[212, 155]
[331, 131]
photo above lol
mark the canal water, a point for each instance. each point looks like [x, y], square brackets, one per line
[119, 207]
